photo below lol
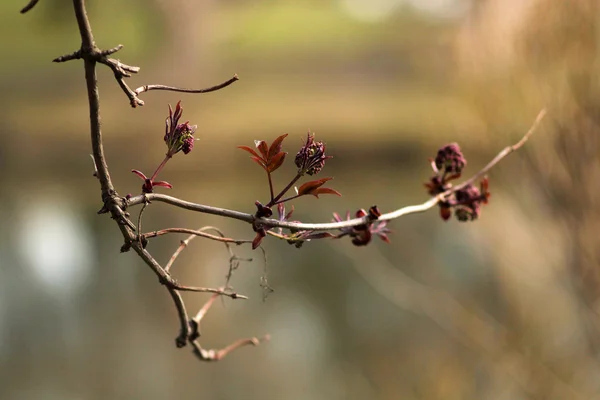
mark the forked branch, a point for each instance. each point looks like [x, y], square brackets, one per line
[310, 160]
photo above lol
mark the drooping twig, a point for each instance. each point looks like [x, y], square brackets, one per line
[273, 223]
[147, 88]
[217, 355]
[211, 354]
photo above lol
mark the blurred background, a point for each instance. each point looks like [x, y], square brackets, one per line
[503, 308]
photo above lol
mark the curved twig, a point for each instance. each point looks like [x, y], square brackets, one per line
[147, 88]
[29, 6]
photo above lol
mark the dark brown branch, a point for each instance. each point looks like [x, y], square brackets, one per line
[147, 88]
[29, 6]
[273, 223]
[114, 204]
[184, 332]
[87, 44]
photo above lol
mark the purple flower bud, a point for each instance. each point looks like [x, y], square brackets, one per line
[311, 157]
[178, 137]
[468, 203]
[188, 144]
[450, 159]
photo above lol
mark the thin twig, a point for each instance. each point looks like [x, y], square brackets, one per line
[202, 312]
[194, 232]
[505, 152]
[273, 223]
[147, 88]
[29, 6]
[139, 224]
[217, 355]
[198, 289]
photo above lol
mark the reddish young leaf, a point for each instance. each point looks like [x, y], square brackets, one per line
[322, 190]
[249, 150]
[258, 239]
[289, 215]
[139, 173]
[276, 146]
[276, 161]
[384, 237]
[163, 184]
[259, 161]
[309, 187]
[261, 145]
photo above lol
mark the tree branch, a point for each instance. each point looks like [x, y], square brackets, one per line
[273, 223]
[147, 88]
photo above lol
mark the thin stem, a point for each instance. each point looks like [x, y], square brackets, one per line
[284, 191]
[270, 185]
[160, 167]
[288, 199]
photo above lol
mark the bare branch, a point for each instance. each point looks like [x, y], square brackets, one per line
[147, 88]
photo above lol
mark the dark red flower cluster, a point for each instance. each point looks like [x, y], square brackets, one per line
[311, 157]
[178, 137]
[361, 235]
[466, 201]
